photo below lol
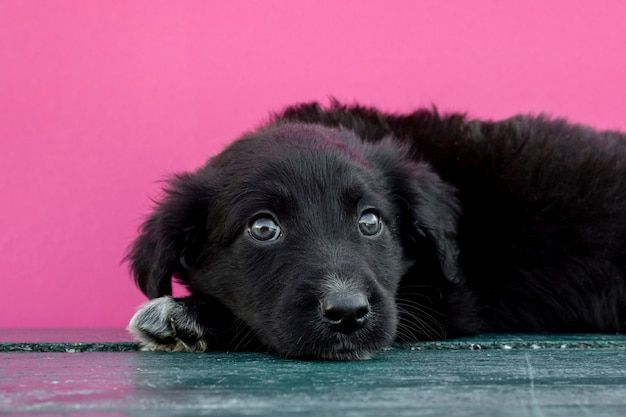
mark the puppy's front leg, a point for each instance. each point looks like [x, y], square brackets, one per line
[169, 324]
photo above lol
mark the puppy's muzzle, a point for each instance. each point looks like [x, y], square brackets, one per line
[345, 311]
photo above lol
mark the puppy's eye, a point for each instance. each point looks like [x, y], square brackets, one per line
[370, 224]
[264, 229]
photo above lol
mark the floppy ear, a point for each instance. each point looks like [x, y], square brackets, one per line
[435, 211]
[171, 237]
[429, 208]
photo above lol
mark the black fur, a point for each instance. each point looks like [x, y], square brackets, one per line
[511, 226]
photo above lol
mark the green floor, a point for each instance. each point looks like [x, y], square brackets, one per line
[46, 373]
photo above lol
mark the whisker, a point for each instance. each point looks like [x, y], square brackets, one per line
[417, 319]
[244, 336]
[419, 306]
[418, 330]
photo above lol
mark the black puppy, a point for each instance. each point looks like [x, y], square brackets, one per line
[332, 232]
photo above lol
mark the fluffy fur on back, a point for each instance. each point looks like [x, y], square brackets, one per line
[331, 232]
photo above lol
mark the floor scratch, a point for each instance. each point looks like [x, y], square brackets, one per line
[535, 407]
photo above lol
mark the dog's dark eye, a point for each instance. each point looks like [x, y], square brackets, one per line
[264, 229]
[370, 224]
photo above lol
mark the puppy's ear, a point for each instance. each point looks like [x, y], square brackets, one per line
[429, 207]
[435, 211]
[171, 237]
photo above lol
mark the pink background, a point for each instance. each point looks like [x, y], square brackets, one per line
[100, 99]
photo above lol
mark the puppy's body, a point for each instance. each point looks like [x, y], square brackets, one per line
[543, 226]
[513, 226]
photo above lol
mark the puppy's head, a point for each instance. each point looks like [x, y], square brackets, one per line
[304, 233]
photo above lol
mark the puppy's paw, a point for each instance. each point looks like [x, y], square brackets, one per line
[166, 324]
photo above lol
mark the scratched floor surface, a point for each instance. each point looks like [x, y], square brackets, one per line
[503, 375]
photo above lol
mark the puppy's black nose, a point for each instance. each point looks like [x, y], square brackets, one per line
[346, 311]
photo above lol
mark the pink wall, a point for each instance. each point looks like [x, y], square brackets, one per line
[99, 99]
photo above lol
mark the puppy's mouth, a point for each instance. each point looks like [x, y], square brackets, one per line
[336, 341]
[346, 352]
[335, 348]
